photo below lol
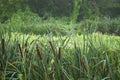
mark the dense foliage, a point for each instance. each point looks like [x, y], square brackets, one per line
[79, 8]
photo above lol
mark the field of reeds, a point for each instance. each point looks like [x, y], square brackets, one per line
[54, 49]
[75, 57]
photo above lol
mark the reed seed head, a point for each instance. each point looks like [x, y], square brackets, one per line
[59, 53]
[38, 52]
[20, 50]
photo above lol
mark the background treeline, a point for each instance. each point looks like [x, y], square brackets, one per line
[63, 16]
[76, 9]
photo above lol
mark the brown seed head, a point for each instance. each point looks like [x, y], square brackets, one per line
[38, 52]
[20, 50]
[59, 53]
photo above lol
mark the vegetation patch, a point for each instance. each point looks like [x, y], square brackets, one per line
[89, 56]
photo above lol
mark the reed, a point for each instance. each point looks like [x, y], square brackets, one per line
[83, 65]
[38, 52]
[3, 46]
[59, 53]
[52, 47]
[20, 50]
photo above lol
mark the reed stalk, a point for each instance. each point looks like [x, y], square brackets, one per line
[3, 46]
[52, 47]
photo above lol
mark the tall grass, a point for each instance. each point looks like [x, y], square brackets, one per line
[89, 57]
